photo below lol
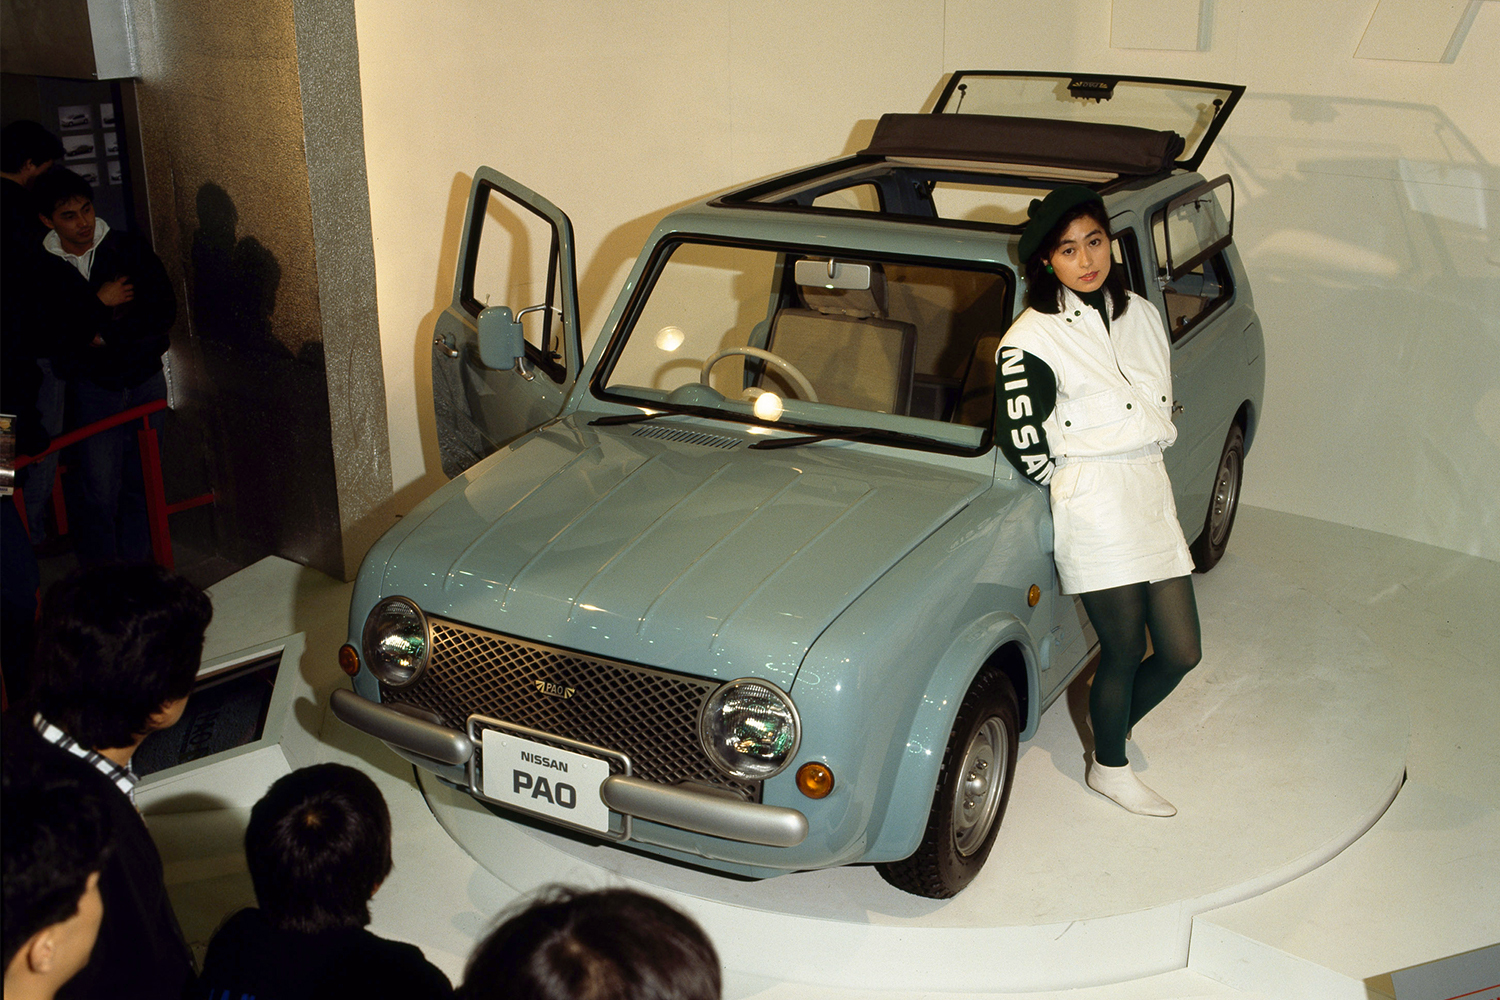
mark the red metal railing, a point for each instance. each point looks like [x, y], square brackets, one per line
[157, 508]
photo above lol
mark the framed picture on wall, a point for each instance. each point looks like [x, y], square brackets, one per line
[88, 171]
[76, 116]
[106, 114]
[77, 147]
[113, 169]
[111, 144]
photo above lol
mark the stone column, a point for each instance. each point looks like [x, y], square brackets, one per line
[253, 148]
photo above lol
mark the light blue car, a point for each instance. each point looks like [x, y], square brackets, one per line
[751, 585]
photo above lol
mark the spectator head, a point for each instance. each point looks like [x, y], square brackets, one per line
[27, 151]
[59, 186]
[55, 834]
[318, 846]
[67, 207]
[614, 944]
[117, 651]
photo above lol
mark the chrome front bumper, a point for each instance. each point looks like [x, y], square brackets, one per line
[671, 805]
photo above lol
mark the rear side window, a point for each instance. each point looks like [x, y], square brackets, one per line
[1192, 296]
[1190, 235]
[856, 198]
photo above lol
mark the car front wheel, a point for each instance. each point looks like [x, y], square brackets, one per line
[1223, 504]
[973, 790]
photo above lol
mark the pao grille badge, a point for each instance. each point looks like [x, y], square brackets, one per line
[555, 690]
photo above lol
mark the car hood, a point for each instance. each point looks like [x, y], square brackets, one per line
[696, 555]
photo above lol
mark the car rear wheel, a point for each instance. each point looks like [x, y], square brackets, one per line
[1223, 504]
[973, 790]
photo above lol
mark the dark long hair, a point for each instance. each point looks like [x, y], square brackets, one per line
[1044, 291]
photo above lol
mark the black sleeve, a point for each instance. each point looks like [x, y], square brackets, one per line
[1026, 392]
[69, 313]
[147, 318]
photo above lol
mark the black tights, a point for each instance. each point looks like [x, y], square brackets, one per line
[1125, 686]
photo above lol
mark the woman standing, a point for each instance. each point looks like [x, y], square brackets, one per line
[1085, 408]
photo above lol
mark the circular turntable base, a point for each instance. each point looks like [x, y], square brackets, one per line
[1279, 750]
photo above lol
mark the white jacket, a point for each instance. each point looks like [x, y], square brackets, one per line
[1112, 511]
[1114, 386]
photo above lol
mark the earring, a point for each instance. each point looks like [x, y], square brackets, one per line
[1049, 268]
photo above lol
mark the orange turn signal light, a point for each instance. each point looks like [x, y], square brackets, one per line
[814, 780]
[349, 659]
[1033, 595]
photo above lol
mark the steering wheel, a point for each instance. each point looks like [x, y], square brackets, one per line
[803, 385]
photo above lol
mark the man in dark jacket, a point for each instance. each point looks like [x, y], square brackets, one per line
[56, 840]
[27, 150]
[114, 308]
[117, 655]
[318, 846]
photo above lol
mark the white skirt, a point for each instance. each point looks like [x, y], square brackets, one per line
[1115, 522]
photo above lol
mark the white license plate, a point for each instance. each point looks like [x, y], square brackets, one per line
[536, 778]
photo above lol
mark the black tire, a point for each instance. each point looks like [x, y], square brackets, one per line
[968, 806]
[1223, 504]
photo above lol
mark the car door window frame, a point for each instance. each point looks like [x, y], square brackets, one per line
[549, 356]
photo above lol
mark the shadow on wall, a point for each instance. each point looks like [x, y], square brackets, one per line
[1375, 277]
[234, 281]
[269, 407]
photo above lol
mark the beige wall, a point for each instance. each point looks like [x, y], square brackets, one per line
[1364, 188]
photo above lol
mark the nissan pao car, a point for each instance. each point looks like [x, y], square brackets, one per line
[750, 585]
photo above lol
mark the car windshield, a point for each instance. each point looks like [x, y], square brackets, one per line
[896, 351]
[1193, 110]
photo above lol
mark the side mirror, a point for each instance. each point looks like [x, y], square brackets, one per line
[501, 341]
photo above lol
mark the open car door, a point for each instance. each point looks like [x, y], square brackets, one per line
[506, 351]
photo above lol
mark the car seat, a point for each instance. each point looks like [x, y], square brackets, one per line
[841, 340]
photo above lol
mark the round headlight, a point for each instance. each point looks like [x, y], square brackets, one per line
[395, 641]
[749, 729]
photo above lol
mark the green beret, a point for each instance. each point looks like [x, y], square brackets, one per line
[1044, 213]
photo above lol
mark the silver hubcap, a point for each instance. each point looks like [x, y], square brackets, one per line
[976, 798]
[1226, 493]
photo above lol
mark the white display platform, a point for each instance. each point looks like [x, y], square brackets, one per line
[1284, 746]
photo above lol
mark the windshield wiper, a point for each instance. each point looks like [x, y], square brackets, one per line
[843, 434]
[826, 434]
[615, 419]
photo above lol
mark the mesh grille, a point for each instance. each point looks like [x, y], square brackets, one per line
[686, 437]
[649, 715]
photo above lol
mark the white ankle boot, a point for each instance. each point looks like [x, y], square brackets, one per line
[1121, 785]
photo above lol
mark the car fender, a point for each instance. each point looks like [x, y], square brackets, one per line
[879, 689]
[903, 817]
[884, 783]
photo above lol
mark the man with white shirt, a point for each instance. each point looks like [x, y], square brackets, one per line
[117, 654]
[112, 306]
